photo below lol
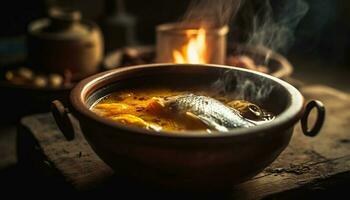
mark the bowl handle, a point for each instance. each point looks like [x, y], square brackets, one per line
[64, 119]
[319, 119]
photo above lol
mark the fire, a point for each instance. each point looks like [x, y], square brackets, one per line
[195, 50]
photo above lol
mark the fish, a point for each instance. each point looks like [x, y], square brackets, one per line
[215, 114]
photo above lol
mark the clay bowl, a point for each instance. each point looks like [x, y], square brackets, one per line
[185, 160]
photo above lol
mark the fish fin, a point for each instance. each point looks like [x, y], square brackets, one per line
[193, 116]
[212, 124]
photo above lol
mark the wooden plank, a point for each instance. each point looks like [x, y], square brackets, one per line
[305, 162]
[75, 159]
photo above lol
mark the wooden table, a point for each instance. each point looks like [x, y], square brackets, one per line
[307, 164]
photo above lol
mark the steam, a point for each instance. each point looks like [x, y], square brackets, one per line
[238, 86]
[212, 13]
[274, 28]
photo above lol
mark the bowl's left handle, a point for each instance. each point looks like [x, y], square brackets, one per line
[321, 111]
[64, 119]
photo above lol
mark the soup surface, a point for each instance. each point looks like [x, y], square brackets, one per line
[178, 110]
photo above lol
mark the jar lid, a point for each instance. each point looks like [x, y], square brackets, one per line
[61, 24]
[62, 18]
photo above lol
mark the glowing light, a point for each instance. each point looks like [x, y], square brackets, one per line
[194, 51]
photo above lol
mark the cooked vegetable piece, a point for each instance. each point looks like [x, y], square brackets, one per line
[133, 120]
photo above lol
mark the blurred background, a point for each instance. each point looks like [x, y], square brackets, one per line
[319, 51]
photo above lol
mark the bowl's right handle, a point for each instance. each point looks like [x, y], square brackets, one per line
[321, 111]
[64, 119]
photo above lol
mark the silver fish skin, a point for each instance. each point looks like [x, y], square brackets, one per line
[212, 112]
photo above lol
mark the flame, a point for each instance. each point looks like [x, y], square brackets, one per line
[194, 51]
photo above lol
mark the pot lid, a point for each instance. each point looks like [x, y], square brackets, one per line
[61, 24]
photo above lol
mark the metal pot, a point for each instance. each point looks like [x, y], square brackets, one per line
[173, 35]
[195, 160]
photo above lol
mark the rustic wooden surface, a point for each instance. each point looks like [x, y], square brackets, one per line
[306, 162]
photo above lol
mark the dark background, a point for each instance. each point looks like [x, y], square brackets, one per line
[321, 46]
